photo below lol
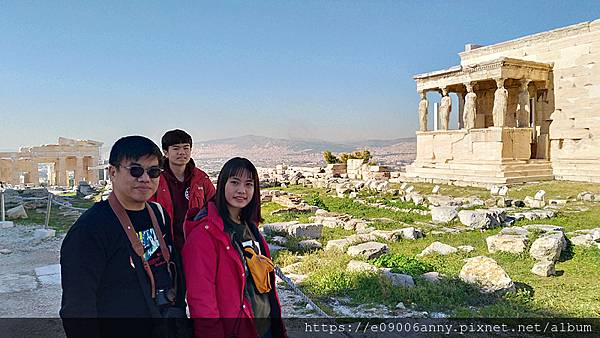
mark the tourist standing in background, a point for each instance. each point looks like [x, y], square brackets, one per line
[182, 186]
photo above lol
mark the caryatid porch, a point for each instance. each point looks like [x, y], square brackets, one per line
[501, 138]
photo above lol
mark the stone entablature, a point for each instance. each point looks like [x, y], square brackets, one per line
[76, 156]
[504, 68]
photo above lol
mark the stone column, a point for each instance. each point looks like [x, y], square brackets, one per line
[93, 174]
[423, 111]
[34, 174]
[500, 104]
[79, 170]
[445, 108]
[60, 168]
[470, 109]
[461, 108]
[436, 116]
[14, 173]
[523, 109]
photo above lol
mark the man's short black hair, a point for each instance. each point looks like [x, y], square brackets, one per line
[175, 136]
[134, 148]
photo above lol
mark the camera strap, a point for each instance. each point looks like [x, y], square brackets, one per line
[135, 240]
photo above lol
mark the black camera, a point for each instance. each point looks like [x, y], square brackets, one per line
[165, 297]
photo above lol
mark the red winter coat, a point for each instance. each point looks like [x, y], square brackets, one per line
[201, 191]
[215, 279]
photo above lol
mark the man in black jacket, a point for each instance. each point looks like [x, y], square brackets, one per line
[102, 274]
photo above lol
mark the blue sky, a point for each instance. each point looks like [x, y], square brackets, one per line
[334, 70]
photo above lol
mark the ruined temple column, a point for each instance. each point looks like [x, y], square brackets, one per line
[423, 111]
[445, 109]
[523, 109]
[461, 107]
[470, 108]
[79, 170]
[34, 174]
[93, 174]
[60, 169]
[14, 173]
[500, 104]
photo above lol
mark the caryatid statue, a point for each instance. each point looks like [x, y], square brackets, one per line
[500, 104]
[470, 107]
[445, 109]
[423, 111]
[523, 109]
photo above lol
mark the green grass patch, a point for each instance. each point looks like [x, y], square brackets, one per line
[400, 263]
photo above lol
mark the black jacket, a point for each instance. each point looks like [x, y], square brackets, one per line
[101, 277]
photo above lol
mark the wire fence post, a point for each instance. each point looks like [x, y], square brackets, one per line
[48, 208]
[2, 205]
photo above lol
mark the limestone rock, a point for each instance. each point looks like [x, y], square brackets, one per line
[482, 218]
[368, 250]
[503, 191]
[544, 268]
[358, 266]
[438, 248]
[432, 276]
[388, 235]
[543, 227]
[486, 273]
[308, 230]
[585, 196]
[342, 244]
[417, 199]
[443, 214]
[514, 231]
[398, 279]
[584, 240]
[310, 244]
[16, 212]
[279, 240]
[465, 248]
[546, 248]
[540, 195]
[533, 203]
[411, 233]
[280, 227]
[506, 243]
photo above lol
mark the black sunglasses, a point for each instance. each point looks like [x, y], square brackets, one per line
[137, 171]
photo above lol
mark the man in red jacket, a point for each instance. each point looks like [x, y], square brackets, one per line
[182, 186]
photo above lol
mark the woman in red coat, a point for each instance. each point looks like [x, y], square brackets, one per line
[228, 271]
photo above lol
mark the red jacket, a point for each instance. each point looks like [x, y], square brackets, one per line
[201, 191]
[216, 280]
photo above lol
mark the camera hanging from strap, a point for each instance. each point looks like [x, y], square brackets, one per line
[135, 240]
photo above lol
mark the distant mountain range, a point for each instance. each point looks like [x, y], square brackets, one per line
[253, 142]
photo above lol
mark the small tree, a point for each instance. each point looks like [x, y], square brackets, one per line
[329, 157]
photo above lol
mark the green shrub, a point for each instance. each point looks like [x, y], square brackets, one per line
[316, 200]
[402, 264]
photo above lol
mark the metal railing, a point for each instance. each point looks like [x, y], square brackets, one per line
[50, 198]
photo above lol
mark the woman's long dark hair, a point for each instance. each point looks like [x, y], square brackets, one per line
[236, 166]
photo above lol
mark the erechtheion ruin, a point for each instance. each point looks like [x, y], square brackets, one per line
[68, 162]
[528, 110]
